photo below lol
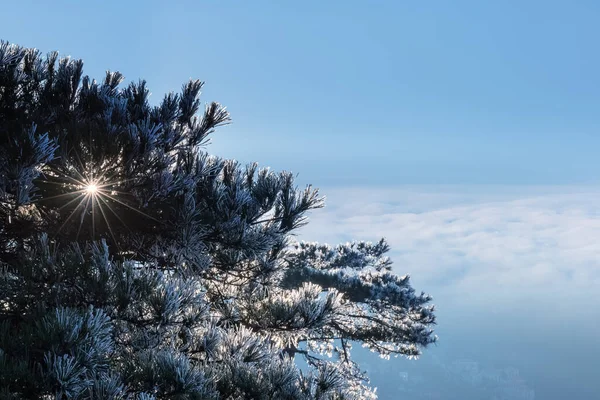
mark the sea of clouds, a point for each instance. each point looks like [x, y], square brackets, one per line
[514, 270]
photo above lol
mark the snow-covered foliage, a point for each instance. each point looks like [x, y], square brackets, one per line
[133, 265]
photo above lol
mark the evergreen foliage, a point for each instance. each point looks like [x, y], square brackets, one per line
[133, 265]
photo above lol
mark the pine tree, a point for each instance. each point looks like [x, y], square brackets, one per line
[133, 265]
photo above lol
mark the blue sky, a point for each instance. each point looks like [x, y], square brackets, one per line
[357, 92]
[466, 132]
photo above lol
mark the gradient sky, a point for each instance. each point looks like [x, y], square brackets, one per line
[493, 106]
[361, 92]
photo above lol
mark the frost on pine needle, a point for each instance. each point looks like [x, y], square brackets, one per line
[134, 265]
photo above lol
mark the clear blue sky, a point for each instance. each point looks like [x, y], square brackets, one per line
[361, 92]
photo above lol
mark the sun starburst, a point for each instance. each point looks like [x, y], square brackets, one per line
[90, 195]
[91, 189]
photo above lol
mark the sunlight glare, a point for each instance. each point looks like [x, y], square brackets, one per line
[91, 189]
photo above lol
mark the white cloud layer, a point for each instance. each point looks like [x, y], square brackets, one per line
[514, 271]
[505, 243]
